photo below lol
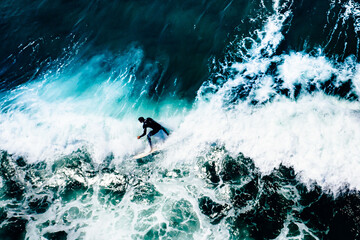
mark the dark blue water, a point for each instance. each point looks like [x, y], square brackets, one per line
[261, 99]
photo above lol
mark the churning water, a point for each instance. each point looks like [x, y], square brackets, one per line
[261, 99]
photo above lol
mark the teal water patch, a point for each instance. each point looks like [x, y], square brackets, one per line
[105, 85]
[181, 222]
[145, 194]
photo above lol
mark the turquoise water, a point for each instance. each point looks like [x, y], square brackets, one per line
[260, 97]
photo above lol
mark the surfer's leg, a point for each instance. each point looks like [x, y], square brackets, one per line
[149, 138]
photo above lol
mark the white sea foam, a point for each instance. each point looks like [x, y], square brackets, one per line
[318, 135]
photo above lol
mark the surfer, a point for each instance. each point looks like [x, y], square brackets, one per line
[150, 123]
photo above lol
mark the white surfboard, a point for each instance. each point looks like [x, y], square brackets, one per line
[142, 155]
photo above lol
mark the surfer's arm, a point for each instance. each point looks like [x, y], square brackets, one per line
[144, 133]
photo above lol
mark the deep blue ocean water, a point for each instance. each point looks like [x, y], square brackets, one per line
[261, 99]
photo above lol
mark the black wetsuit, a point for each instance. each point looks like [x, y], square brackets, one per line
[156, 127]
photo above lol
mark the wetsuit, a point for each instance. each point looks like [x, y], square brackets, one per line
[156, 127]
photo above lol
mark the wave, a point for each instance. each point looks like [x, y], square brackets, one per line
[267, 149]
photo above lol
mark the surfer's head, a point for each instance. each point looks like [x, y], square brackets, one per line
[141, 119]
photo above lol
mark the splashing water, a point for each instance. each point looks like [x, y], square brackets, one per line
[266, 150]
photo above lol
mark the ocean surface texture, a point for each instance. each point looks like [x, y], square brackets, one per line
[261, 98]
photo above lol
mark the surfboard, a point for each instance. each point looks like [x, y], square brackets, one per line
[145, 154]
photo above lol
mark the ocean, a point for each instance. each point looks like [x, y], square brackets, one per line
[261, 99]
